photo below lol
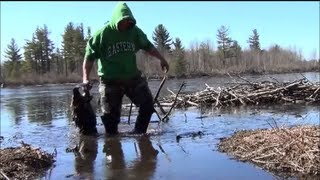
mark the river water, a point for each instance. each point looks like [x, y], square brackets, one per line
[40, 116]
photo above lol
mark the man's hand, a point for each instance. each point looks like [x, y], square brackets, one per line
[86, 68]
[87, 86]
[164, 65]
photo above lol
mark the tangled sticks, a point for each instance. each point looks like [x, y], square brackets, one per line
[298, 91]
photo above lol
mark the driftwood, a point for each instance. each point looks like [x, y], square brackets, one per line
[299, 91]
[287, 151]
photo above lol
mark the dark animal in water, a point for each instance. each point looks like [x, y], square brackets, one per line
[82, 112]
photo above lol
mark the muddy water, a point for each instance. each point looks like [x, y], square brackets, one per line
[40, 115]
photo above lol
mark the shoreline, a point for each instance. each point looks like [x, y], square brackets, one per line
[154, 78]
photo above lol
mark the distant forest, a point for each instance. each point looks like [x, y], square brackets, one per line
[43, 63]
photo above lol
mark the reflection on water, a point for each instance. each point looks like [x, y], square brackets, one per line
[37, 108]
[40, 116]
[143, 166]
[16, 110]
[84, 159]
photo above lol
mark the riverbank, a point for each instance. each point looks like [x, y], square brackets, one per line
[77, 78]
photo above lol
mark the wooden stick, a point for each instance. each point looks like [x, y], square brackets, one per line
[273, 91]
[174, 103]
[306, 78]
[159, 89]
[130, 113]
[155, 100]
[135, 148]
[171, 91]
[4, 175]
[160, 107]
[315, 92]
[274, 79]
[158, 115]
[234, 95]
[245, 80]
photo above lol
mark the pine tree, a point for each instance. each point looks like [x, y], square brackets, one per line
[79, 45]
[48, 48]
[224, 42]
[74, 43]
[57, 61]
[236, 52]
[13, 60]
[31, 64]
[161, 38]
[236, 49]
[38, 51]
[254, 42]
[67, 48]
[180, 64]
[12, 53]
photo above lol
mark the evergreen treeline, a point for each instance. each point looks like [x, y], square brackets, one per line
[43, 62]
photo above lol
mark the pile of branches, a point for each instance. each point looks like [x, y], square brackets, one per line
[299, 91]
[24, 162]
[289, 151]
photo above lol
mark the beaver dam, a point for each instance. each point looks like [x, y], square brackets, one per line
[287, 151]
[299, 91]
[24, 162]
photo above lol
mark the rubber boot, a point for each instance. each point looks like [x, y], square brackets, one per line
[111, 127]
[143, 120]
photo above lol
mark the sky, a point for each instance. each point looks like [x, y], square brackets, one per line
[292, 25]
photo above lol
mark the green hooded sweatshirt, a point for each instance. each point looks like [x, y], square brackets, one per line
[115, 51]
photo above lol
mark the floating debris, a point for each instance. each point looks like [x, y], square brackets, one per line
[189, 134]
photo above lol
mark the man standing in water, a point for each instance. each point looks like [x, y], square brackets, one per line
[115, 47]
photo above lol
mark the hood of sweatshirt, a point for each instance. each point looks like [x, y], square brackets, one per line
[120, 12]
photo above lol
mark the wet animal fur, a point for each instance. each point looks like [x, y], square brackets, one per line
[82, 113]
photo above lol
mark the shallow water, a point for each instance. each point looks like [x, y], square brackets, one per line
[40, 116]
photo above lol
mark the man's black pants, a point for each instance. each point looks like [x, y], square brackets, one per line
[112, 92]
